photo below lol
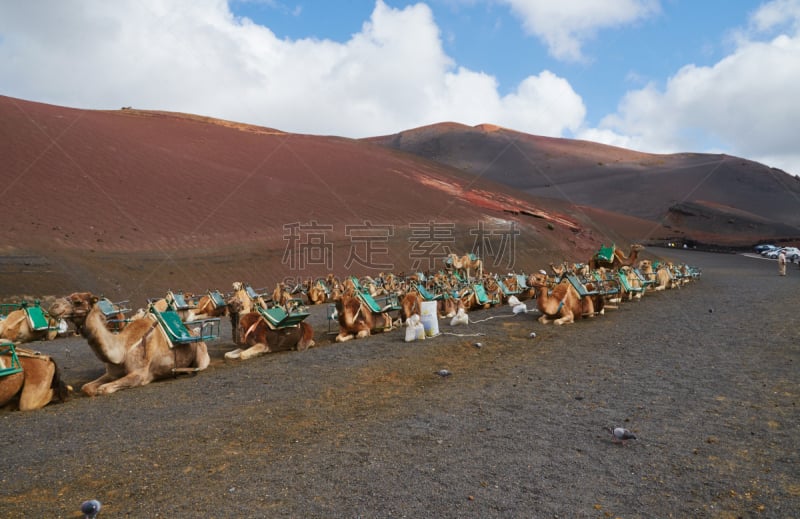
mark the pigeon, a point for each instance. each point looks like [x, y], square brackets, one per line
[90, 508]
[443, 373]
[619, 435]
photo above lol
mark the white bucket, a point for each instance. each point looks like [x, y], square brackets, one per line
[430, 318]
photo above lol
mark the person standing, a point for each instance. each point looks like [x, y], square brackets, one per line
[781, 264]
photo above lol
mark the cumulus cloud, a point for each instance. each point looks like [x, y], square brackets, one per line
[196, 56]
[565, 26]
[744, 104]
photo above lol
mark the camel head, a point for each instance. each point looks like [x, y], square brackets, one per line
[237, 285]
[74, 307]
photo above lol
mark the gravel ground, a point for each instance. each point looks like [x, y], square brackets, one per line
[705, 376]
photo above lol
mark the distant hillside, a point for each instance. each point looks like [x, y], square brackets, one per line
[742, 201]
[137, 202]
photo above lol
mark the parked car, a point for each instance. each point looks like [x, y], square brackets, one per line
[792, 254]
[764, 247]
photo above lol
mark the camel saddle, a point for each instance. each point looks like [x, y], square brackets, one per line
[7, 348]
[278, 317]
[605, 253]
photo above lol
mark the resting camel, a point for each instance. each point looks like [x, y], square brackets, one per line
[137, 355]
[251, 331]
[316, 291]
[464, 264]
[562, 306]
[633, 281]
[37, 385]
[618, 260]
[17, 328]
[356, 320]
[281, 295]
[411, 304]
[206, 308]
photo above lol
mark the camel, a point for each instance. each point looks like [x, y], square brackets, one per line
[139, 354]
[356, 320]
[633, 282]
[17, 326]
[252, 332]
[208, 306]
[281, 295]
[618, 258]
[562, 306]
[463, 264]
[664, 278]
[249, 328]
[411, 304]
[38, 384]
[316, 291]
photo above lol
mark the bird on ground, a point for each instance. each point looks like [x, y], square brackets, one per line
[619, 434]
[90, 508]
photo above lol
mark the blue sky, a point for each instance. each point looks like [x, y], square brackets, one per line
[659, 76]
[486, 36]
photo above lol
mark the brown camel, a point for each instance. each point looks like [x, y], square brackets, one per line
[562, 306]
[463, 264]
[208, 306]
[316, 291]
[618, 259]
[252, 332]
[17, 327]
[356, 320]
[38, 384]
[136, 356]
[281, 295]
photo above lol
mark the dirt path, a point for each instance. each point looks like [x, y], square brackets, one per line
[706, 376]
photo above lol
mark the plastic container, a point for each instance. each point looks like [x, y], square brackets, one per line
[430, 318]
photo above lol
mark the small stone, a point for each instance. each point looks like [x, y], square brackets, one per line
[478, 345]
[532, 335]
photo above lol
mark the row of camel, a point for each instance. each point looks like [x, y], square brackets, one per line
[136, 350]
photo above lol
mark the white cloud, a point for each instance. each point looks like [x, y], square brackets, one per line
[745, 104]
[565, 26]
[195, 56]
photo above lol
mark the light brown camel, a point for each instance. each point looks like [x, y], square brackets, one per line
[281, 295]
[134, 357]
[464, 263]
[208, 306]
[633, 282]
[561, 306]
[253, 335]
[410, 303]
[356, 320]
[16, 327]
[619, 259]
[37, 385]
[316, 291]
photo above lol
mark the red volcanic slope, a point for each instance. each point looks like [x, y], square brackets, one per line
[733, 190]
[110, 199]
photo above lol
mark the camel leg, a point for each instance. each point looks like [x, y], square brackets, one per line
[234, 354]
[543, 319]
[254, 351]
[37, 393]
[134, 379]
[362, 334]
[90, 388]
[202, 358]
[344, 337]
[567, 319]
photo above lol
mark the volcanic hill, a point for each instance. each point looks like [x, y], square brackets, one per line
[717, 199]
